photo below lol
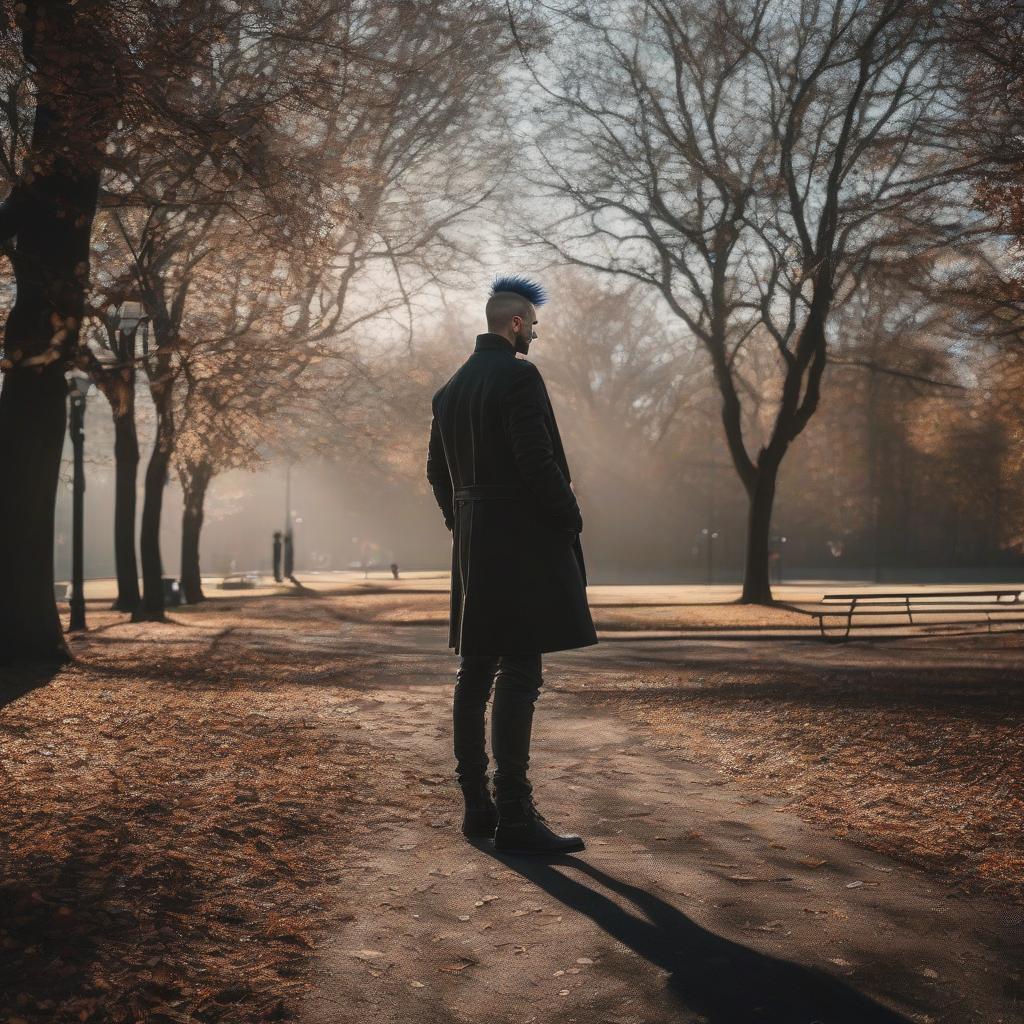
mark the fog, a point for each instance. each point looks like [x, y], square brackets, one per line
[309, 345]
[892, 479]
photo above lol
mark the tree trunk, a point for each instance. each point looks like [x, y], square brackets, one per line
[195, 482]
[757, 588]
[152, 607]
[32, 422]
[50, 211]
[126, 458]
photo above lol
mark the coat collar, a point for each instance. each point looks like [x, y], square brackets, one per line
[493, 343]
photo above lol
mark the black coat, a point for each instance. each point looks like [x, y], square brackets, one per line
[498, 470]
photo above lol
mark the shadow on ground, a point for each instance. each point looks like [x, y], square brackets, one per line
[16, 681]
[726, 982]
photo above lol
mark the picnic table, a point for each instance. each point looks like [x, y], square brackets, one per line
[982, 607]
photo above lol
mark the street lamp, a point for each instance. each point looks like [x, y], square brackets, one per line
[781, 541]
[712, 536]
[78, 388]
[288, 569]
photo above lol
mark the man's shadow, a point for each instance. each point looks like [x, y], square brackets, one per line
[724, 981]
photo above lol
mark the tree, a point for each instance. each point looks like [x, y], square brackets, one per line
[240, 365]
[748, 160]
[399, 157]
[987, 36]
[241, 183]
[110, 357]
[49, 212]
[78, 73]
[894, 333]
[626, 388]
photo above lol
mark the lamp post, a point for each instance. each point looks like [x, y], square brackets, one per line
[711, 536]
[288, 567]
[781, 541]
[78, 387]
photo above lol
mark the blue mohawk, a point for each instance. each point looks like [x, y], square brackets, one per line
[529, 290]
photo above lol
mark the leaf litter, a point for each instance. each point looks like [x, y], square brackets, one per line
[172, 816]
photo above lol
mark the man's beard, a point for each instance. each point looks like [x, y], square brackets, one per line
[522, 343]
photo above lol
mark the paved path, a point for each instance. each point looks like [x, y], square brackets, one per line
[693, 902]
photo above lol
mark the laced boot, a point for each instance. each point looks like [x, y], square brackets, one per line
[523, 829]
[481, 817]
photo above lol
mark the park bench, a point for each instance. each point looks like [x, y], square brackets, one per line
[997, 606]
[241, 581]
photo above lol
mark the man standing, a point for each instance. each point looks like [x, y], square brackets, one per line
[500, 477]
[277, 557]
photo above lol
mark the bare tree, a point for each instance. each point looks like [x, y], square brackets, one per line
[228, 398]
[403, 153]
[748, 159]
[613, 358]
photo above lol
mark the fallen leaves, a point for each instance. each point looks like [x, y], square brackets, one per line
[165, 831]
[925, 764]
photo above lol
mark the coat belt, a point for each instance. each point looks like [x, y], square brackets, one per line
[485, 492]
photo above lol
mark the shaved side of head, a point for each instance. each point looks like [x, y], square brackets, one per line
[502, 306]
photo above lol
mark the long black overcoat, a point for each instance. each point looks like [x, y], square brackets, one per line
[499, 474]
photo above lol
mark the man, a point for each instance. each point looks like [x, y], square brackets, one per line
[277, 557]
[499, 474]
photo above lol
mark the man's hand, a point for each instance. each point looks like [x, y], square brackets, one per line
[439, 476]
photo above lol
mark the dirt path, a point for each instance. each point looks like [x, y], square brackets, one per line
[249, 813]
[693, 902]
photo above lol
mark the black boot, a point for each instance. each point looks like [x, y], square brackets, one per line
[481, 817]
[523, 829]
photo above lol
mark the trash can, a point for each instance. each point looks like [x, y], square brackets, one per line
[172, 593]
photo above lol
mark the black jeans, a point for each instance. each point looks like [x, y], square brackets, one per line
[516, 680]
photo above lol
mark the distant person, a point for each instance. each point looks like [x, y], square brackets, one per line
[394, 570]
[289, 556]
[501, 480]
[277, 556]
